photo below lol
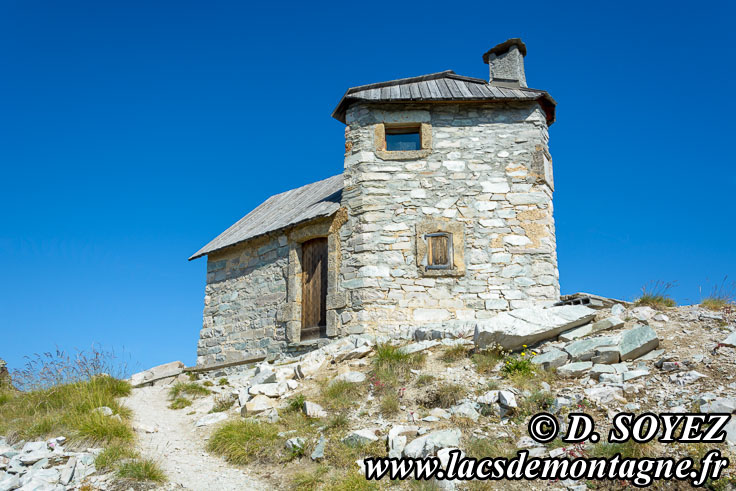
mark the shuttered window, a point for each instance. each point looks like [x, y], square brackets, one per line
[439, 250]
[314, 289]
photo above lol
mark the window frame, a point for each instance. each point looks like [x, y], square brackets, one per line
[425, 141]
[450, 252]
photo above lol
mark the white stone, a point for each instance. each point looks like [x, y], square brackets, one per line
[256, 405]
[511, 330]
[314, 410]
[352, 377]
[209, 419]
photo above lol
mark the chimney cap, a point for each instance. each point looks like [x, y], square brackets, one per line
[502, 48]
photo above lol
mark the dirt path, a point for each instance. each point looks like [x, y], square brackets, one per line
[179, 447]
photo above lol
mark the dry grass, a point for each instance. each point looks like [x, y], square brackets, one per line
[68, 409]
[444, 395]
[245, 442]
[340, 394]
[486, 360]
[721, 296]
[655, 295]
[187, 388]
[455, 353]
[61, 396]
[180, 403]
[389, 404]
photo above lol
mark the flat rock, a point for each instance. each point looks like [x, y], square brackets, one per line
[527, 326]
[490, 397]
[643, 313]
[585, 349]
[610, 378]
[9, 481]
[637, 342]
[397, 437]
[578, 332]
[606, 355]
[420, 346]
[210, 419]
[730, 341]
[634, 374]
[553, 358]
[612, 322]
[573, 370]
[171, 369]
[264, 375]
[31, 458]
[721, 405]
[686, 378]
[605, 394]
[352, 377]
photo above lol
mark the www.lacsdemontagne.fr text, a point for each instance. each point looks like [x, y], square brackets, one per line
[640, 471]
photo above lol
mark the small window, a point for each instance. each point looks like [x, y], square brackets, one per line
[400, 139]
[439, 250]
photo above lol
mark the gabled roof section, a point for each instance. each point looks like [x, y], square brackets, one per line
[441, 87]
[319, 199]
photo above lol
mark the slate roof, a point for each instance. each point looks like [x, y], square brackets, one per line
[439, 87]
[319, 199]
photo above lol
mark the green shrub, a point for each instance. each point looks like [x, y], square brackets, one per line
[296, 403]
[222, 381]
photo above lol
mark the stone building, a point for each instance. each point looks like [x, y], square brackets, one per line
[442, 215]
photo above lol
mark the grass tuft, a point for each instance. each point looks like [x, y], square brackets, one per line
[180, 403]
[189, 388]
[655, 295]
[486, 360]
[445, 395]
[141, 470]
[341, 394]
[244, 442]
[455, 353]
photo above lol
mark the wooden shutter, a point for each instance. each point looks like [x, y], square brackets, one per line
[439, 250]
[314, 288]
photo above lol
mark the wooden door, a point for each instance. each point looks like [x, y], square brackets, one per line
[314, 289]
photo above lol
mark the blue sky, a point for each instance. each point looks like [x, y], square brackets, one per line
[131, 133]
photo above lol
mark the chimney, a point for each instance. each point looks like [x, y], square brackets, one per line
[506, 63]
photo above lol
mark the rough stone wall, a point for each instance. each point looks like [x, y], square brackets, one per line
[245, 292]
[489, 170]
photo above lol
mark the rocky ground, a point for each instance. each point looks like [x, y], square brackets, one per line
[472, 389]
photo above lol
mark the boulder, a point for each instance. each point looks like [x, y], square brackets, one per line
[210, 419]
[643, 313]
[360, 437]
[512, 330]
[574, 370]
[256, 405]
[314, 410]
[637, 342]
[444, 455]
[490, 397]
[618, 310]
[730, 429]
[156, 373]
[553, 358]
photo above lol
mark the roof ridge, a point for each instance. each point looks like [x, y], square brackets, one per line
[408, 80]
